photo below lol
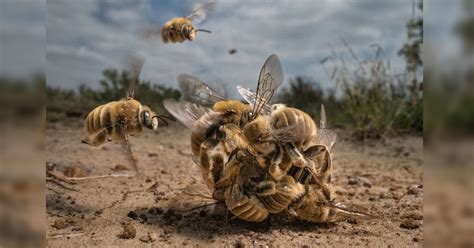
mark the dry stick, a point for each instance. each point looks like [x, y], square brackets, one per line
[60, 184]
[64, 235]
[97, 177]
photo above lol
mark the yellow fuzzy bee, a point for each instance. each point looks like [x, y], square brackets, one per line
[180, 29]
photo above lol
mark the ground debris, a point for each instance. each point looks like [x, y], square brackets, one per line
[129, 231]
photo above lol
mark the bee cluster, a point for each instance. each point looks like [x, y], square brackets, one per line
[257, 158]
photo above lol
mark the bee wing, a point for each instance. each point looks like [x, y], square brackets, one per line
[197, 91]
[251, 97]
[199, 11]
[270, 78]
[135, 66]
[190, 198]
[185, 112]
[326, 137]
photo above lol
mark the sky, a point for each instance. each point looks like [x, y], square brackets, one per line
[82, 38]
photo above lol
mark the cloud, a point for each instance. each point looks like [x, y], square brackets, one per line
[85, 37]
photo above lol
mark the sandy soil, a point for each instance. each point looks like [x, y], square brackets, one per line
[385, 178]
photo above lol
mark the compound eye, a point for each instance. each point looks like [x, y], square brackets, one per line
[146, 118]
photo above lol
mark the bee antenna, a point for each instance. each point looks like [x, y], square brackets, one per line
[203, 30]
[163, 117]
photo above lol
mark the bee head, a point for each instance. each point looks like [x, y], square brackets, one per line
[257, 133]
[189, 32]
[148, 118]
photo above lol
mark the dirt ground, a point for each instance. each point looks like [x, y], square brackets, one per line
[386, 178]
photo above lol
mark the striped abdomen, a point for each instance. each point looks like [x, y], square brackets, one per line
[300, 125]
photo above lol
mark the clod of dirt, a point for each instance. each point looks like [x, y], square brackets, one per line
[129, 231]
[409, 224]
[151, 155]
[239, 244]
[133, 215]
[164, 172]
[352, 181]
[413, 215]
[60, 224]
[352, 221]
[365, 182]
[155, 211]
[149, 238]
[143, 218]
[121, 167]
[72, 171]
[168, 229]
[413, 190]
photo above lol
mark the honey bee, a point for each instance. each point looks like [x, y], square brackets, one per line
[180, 29]
[210, 117]
[117, 119]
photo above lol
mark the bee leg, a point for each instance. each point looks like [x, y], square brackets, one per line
[96, 139]
[275, 169]
[129, 150]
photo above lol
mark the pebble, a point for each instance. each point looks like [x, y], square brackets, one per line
[133, 215]
[129, 231]
[409, 224]
[121, 167]
[60, 224]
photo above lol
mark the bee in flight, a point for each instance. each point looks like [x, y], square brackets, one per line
[118, 119]
[180, 29]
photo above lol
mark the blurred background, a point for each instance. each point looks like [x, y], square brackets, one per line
[382, 69]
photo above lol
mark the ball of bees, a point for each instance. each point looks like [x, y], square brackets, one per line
[180, 29]
[259, 159]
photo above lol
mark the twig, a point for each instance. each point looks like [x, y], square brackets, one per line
[64, 235]
[97, 177]
[60, 184]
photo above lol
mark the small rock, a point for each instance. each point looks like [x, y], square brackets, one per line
[352, 221]
[415, 239]
[239, 244]
[352, 181]
[413, 215]
[72, 171]
[133, 215]
[152, 236]
[164, 172]
[129, 231]
[144, 218]
[121, 167]
[60, 224]
[409, 224]
[365, 182]
[148, 180]
[151, 155]
[168, 229]
[145, 239]
[413, 190]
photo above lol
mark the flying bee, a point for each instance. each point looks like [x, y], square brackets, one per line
[117, 119]
[180, 29]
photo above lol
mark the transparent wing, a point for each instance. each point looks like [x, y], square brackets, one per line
[190, 198]
[270, 78]
[197, 91]
[199, 10]
[135, 66]
[324, 135]
[250, 96]
[342, 212]
[185, 112]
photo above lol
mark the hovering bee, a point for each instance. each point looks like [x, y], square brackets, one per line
[115, 120]
[180, 29]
